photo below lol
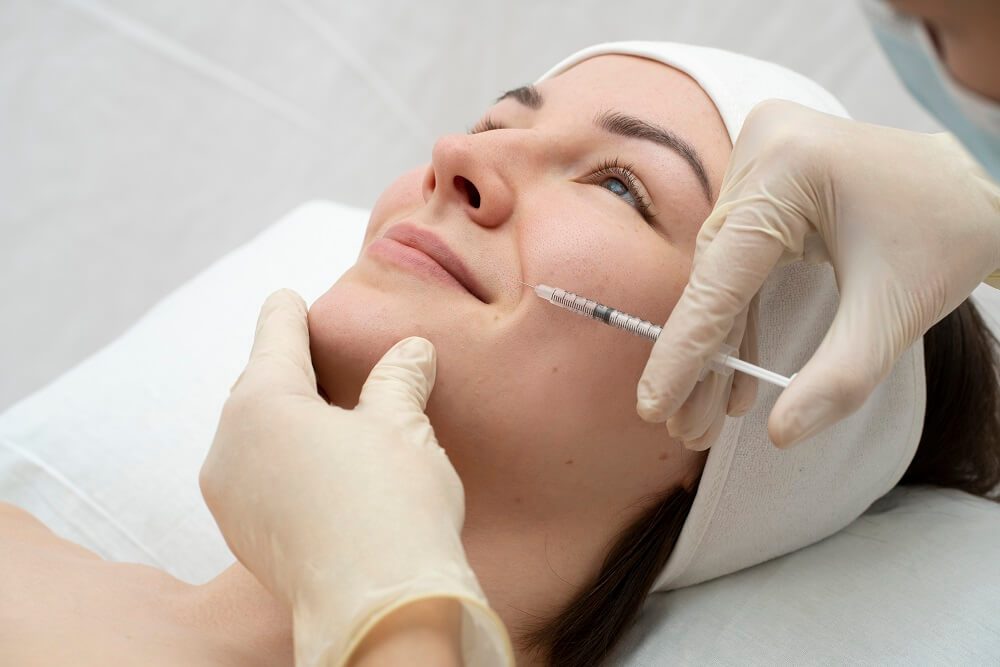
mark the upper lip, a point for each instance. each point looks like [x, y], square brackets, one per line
[434, 247]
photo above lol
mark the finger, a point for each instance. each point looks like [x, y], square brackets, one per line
[402, 380]
[847, 366]
[709, 398]
[702, 409]
[280, 358]
[724, 280]
[744, 391]
[711, 435]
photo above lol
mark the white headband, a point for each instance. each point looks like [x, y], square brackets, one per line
[755, 502]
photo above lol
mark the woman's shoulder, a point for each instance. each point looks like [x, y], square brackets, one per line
[61, 603]
[20, 528]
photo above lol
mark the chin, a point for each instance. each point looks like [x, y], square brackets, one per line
[350, 327]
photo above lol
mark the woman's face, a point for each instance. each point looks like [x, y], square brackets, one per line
[535, 405]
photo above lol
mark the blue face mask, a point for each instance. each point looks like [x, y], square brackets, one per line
[971, 117]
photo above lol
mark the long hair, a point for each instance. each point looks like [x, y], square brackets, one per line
[959, 448]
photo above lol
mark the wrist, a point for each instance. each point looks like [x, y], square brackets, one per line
[422, 632]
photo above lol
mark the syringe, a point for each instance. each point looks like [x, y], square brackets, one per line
[722, 360]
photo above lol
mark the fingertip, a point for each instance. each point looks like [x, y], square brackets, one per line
[789, 425]
[284, 305]
[783, 428]
[406, 372]
[697, 445]
[780, 437]
[283, 299]
[650, 411]
[416, 351]
[652, 405]
[743, 396]
[280, 351]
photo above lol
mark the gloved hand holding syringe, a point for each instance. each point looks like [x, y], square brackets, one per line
[722, 362]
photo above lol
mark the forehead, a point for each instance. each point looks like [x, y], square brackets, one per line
[647, 89]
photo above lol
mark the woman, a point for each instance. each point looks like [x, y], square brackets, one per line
[534, 409]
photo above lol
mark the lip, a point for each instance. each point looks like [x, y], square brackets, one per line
[428, 243]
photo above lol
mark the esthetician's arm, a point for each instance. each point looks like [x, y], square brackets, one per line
[353, 517]
[910, 223]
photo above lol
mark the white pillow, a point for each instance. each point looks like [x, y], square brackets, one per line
[108, 456]
[913, 581]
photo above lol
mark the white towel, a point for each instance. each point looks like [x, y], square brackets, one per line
[755, 502]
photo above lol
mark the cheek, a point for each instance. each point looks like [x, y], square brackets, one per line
[353, 324]
[592, 368]
[401, 198]
[616, 259]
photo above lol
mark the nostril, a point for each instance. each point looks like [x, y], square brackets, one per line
[465, 186]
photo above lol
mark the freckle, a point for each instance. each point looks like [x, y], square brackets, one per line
[555, 369]
[663, 456]
[569, 461]
[496, 317]
[518, 499]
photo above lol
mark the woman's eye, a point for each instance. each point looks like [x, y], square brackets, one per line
[617, 187]
[485, 125]
[618, 179]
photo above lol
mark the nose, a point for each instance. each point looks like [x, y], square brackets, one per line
[467, 171]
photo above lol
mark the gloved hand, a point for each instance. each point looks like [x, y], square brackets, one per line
[347, 515]
[910, 223]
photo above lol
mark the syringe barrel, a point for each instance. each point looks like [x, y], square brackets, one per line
[592, 309]
[633, 325]
[567, 300]
[724, 361]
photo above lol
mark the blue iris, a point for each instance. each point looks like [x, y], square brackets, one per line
[620, 189]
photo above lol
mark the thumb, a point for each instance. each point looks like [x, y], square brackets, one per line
[856, 354]
[724, 280]
[280, 360]
[402, 380]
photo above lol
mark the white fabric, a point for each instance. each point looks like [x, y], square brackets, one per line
[108, 456]
[736, 83]
[913, 581]
[755, 502]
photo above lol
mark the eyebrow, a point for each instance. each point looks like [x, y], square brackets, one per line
[631, 127]
[526, 95]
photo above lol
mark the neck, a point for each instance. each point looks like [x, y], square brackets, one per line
[245, 617]
[528, 571]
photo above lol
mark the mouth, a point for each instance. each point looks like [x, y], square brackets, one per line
[428, 243]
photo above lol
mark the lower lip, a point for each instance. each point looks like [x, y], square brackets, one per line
[414, 261]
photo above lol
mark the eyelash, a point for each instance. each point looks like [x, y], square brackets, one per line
[485, 125]
[623, 172]
[606, 168]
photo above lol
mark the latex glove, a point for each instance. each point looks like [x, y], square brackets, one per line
[909, 221]
[347, 515]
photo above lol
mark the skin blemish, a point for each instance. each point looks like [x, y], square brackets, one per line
[569, 461]
[663, 456]
[555, 369]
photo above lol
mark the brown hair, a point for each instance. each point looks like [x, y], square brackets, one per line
[959, 448]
